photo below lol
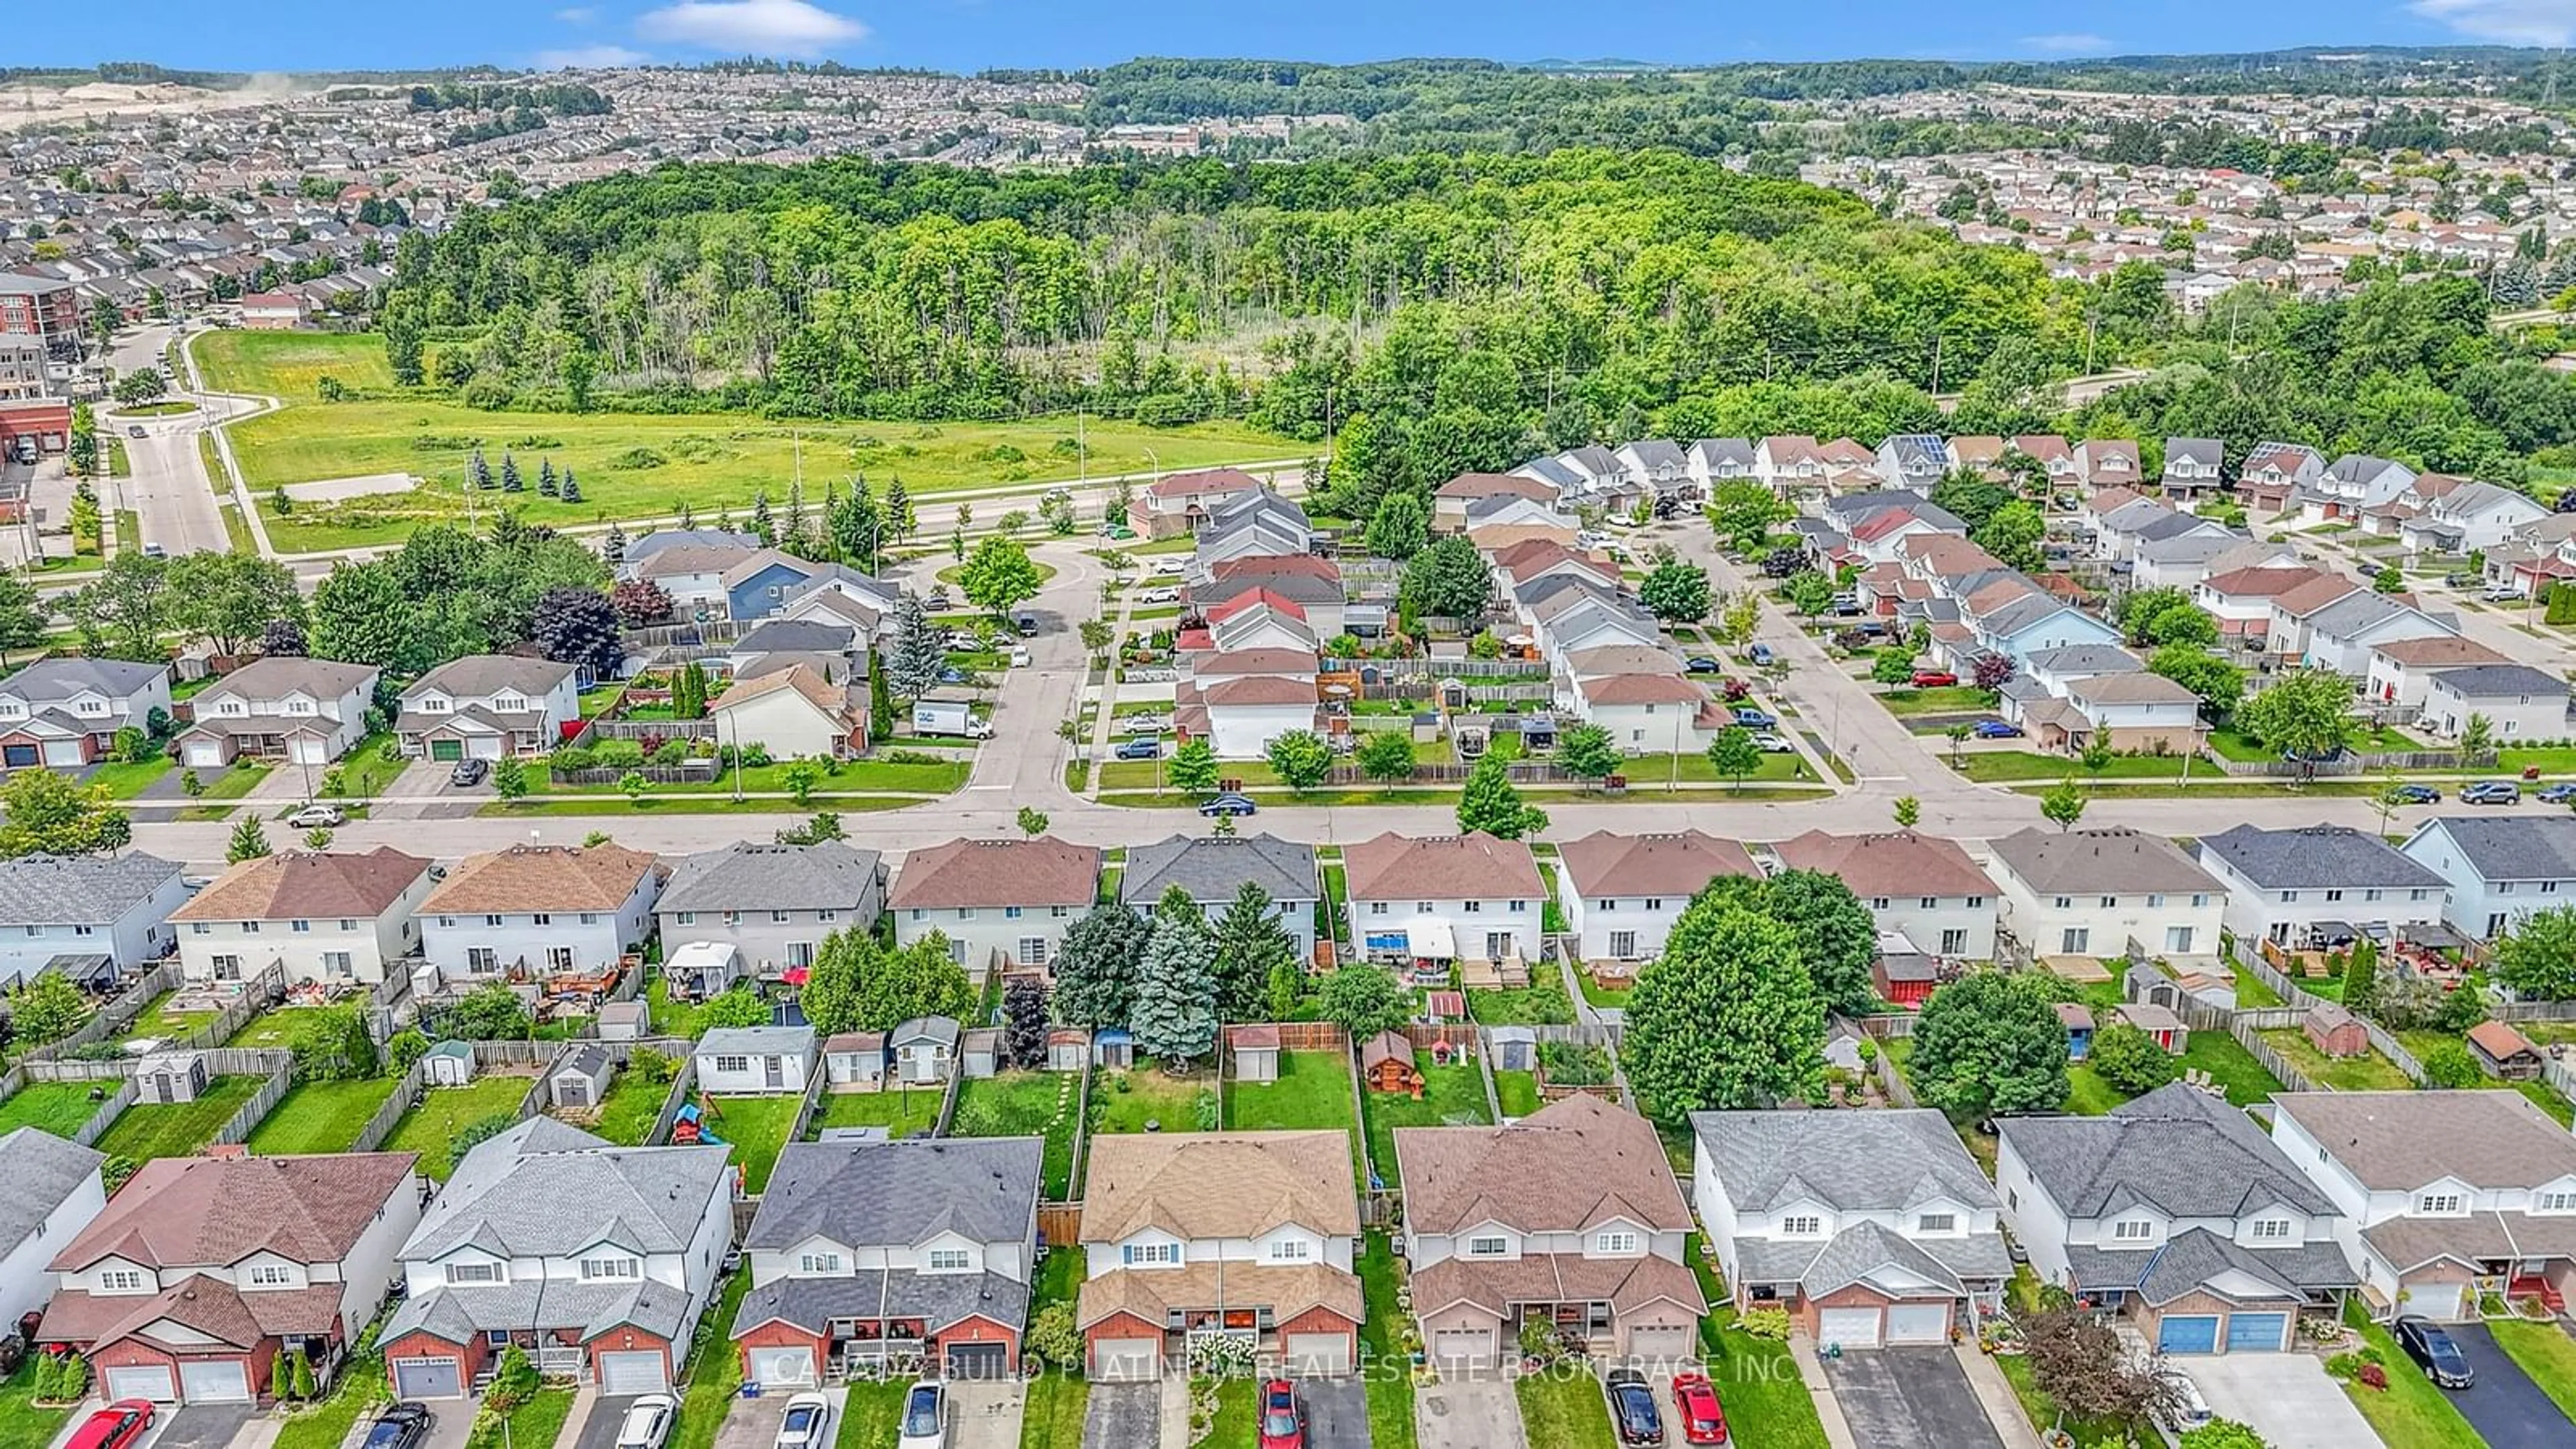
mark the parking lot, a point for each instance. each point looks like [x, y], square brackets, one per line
[1909, 1396]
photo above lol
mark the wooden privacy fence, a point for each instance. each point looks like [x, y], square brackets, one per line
[105, 1117]
[406, 1096]
[1060, 1223]
[514, 1053]
[256, 992]
[1302, 1036]
[112, 1019]
[2200, 1018]
[79, 1069]
[644, 729]
[697, 772]
[244, 1122]
[684, 1086]
[2350, 765]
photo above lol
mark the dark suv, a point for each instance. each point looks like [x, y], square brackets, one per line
[404, 1426]
[1632, 1407]
[469, 772]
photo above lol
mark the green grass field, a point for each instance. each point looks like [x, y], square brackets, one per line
[1390, 1388]
[2410, 1411]
[903, 1113]
[2546, 1353]
[1767, 1400]
[1563, 1408]
[714, 1373]
[1169, 1102]
[626, 1116]
[21, 1422]
[158, 1021]
[430, 1127]
[630, 465]
[1023, 1104]
[179, 1129]
[1451, 1097]
[873, 1415]
[56, 1107]
[1057, 1398]
[756, 1127]
[538, 1421]
[2369, 1072]
[1992, 766]
[320, 1117]
[1517, 1092]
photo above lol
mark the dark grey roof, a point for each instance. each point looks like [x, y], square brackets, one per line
[2110, 858]
[513, 1195]
[2195, 450]
[937, 1030]
[652, 543]
[2316, 856]
[806, 636]
[1849, 1161]
[2497, 681]
[2359, 468]
[939, 1299]
[1859, 1251]
[1213, 868]
[63, 676]
[2511, 847]
[478, 675]
[2191, 1258]
[2083, 658]
[1656, 452]
[592, 1308]
[2176, 525]
[2176, 1149]
[41, 1170]
[85, 890]
[900, 1194]
[1725, 450]
[755, 877]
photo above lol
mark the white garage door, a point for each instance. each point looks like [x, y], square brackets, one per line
[307, 750]
[62, 752]
[146, 1381]
[428, 1378]
[1918, 1322]
[640, 1372]
[202, 754]
[1463, 1345]
[1319, 1353]
[1125, 1358]
[213, 1383]
[1662, 1342]
[1850, 1327]
[783, 1366]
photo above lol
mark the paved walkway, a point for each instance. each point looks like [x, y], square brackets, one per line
[1995, 1393]
[1829, 1410]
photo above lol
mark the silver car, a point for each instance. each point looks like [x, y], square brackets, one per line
[808, 1423]
[648, 1422]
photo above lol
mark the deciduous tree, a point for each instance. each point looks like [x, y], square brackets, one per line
[1363, 1000]
[1193, 768]
[2537, 955]
[2129, 1059]
[1990, 1042]
[1727, 1017]
[1449, 579]
[1587, 752]
[52, 814]
[1837, 936]
[1676, 592]
[578, 626]
[1400, 528]
[1000, 576]
[1300, 758]
[1734, 755]
[1488, 802]
[1385, 756]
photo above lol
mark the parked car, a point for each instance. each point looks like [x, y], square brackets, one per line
[648, 1422]
[1701, 664]
[2491, 792]
[964, 639]
[937, 597]
[2501, 594]
[2558, 794]
[1695, 1404]
[1754, 719]
[925, 1417]
[2416, 795]
[2459, 580]
[2433, 1348]
[318, 817]
[134, 430]
[952, 675]
[154, 550]
[1229, 804]
[1140, 749]
[469, 772]
[1773, 744]
[807, 1424]
[1761, 655]
[114, 1427]
[1632, 1407]
[404, 1426]
[1934, 678]
[1283, 1422]
[1118, 531]
[1995, 729]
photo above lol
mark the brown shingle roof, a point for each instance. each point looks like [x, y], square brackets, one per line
[543, 878]
[2313, 595]
[1440, 868]
[306, 884]
[1640, 689]
[1153, 1293]
[2260, 582]
[2438, 650]
[1893, 863]
[2399, 1141]
[1577, 1163]
[1040, 872]
[178, 1212]
[832, 699]
[2499, 1040]
[1627, 1284]
[1680, 863]
[1218, 1185]
[1488, 485]
[1260, 689]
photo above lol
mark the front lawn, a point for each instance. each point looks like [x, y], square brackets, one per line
[1562, 1407]
[320, 1117]
[1058, 1397]
[1126, 1101]
[2546, 1353]
[326, 1425]
[874, 1414]
[178, 1129]
[1516, 1092]
[538, 1421]
[2410, 1412]
[430, 1127]
[21, 1422]
[1995, 766]
[1025, 1104]
[1766, 1398]
[61, 1108]
[1451, 1097]
[902, 1111]
[1236, 1402]
[2369, 1072]
[124, 781]
[1939, 699]
[714, 1373]
[2042, 1410]
[1387, 1373]
[756, 1127]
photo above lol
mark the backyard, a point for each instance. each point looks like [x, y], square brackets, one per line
[1451, 1097]
[757, 1128]
[320, 1117]
[2369, 1072]
[56, 1107]
[1018, 1104]
[283, 1028]
[626, 1115]
[902, 1111]
[430, 1127]
[178, 1129]
[159, 1022]
[1126, 1101]
[1516, 1092]
[1058, 1397]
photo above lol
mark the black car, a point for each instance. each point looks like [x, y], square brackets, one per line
[1229, 804]
[469, 772]
[2415, 795]
[404, 1426]
[1632, 1408]
[2432, 1347]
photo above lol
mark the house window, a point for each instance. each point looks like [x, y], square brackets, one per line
[1802, 1226]
[2178, 940]
[1422, 908]
[473, 1272]
[541, 918]
[1621, 1242]
[733, 1064]
[120, 1280]
[2289, 898]
[2437, 1204]
[1010, 913]
[492, 920]
[1033, 950]
[300, 927]
[690, 918]
[1879, 903]
[1059, 912]
[2075, 940]
[1516, 906]
[2418, 893]
[1930, 902]
[2372, 894]
[609, 1268]
[1487, 1247]
[335, 963]
[2110, 901]
[1146, 1255]
[2132, 1230]
[965, 913]
[2271, 1230]
[1623, 945]
[348, 925]
[948, 1260]
[2334, 895]
[1291, 1250]
[2064, 903]
[819, 1263]
[480, 961]
[1954, 943]
[1606, 905]
[272, 1275]
[591, 918]
[2199, 899]
[1377, 908]
[827, 915]
[1473, 907]
[2554, 1202]
[1976, 903]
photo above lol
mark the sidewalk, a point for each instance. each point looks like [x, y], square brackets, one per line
[1811, 1370]
[1995, 1394]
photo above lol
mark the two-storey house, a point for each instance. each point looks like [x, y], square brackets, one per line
[1183, 502]
[302, 711]
[54, 906]
[596, 1260]
[868, 1254]
[1007, 901]
[488, 707]
[1427, 902]
[639, 551]
[1923, 887]
[2341, 635]
[2091, 892]
[527, 912]
[1914, 462]
[1870, 1228]
[2517, 701]
[2400, 672]
[1451, 501]
[2177, 1210]
[772, 903]
[327, 916]
[202, 1271]
[1622, 893]
[54, 1192]
[2499, 868]
[1567, 1217]
[63, 712]
[2191, 466]
[2309, 887]
[1214, 869]
[1245, 1235]
[2443, 1197]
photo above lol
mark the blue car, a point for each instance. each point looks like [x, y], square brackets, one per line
[1140, 749]
[1229, 804]
[1761, 655]
[952, 675]
[1995, 729]
[1754, 719]
[2558, 794]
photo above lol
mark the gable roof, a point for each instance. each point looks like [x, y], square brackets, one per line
[2112, 858]
[1218, 1184]
[832, 699]
[276, 676]
[899, 1193]
[511, 1194]
[2316, 856]
[62, 675]
[1204, 480]
[1440, 867]
[1043, 871]
[1847, 1161]
[213, 1211]
[760, 876]
[478, 675]
[78, 890]
[2176, 1150]
[1888, 863]
[1676, 863]
[307, 884]
[2500, 681]
[2396, 1141]
[542, 878]
[1488, 485]
[1575, 1163]
[1213, 868]
[42, 1170]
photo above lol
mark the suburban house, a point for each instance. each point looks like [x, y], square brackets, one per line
[54, 1192]
[755, 1059]
[630, 564]
[302, 711]
[1248, 1235]
[2444, 1196]
[1183, 502]
[995, 900]
[2518, 701]
[2177, 1210]
[1622, 893]
[1451, 500]
[1569, 1217]
[1313, 584]
[63, 712]
[1870, 1228]
[2499, 868]
[2192, 465]
[1240, 716]
[327, 916]
[2273, 471]
[533, 911]
[2341, 635]
[1922, 886]
[796, 712]
[692, 568]
[2400, 672]
[489, 707]
[772, 903]
[2240, 599]
[2109, 463]
[2138, 712]
[201, 1271]
[1912, 461]
[1213, 869]
[2094, 891]
[761, 584]
[864, 1252]
[610, 1294]
[1719, 460]
[1444, 898]
[833, 647]
[2316, 885]
[2471, 516]
[1258, 524]
[74, 908]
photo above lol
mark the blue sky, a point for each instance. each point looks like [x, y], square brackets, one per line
[972, 34]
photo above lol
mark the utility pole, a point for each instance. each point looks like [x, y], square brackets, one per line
[1936, 364]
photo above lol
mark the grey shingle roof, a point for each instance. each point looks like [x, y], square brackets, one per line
[756, 877]
[900, 1193]
[2083, 659]
[478, 675]
[1849, 1161]
[2175, 1149]
[41, 1170]
[2509, 847]
[2194, 450]
[65, 675]
[2316, 856]
[1213, 868]
[90, 890]
[939, 1299]
[756, 1041]
[807, 636]
[2189, 1259]
[2111, 858]
[511, 1195]
[2500, 681]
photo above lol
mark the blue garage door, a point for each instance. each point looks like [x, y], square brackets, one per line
[2188, 1335]
[2255, 1332]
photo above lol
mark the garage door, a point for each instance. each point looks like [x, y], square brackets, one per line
[1850, 1327]
[1918, 1322]
[447, 750]
[783, 1367]
[642, 1372]
[213, 1382]
[2256, 1332]
[63, 752]
[1125, 1358]
[2190, 1334]
[17, 757]
[1319, 1353]
[146, 1381]
[203, 754]
[428, 1378]
[1463, 1345]
[978, 1361]
[1663, 1342]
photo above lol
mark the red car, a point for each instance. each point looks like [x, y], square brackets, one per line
[1933, 678]
[1283, 1423]
[113, 1427]
[1695, 1404]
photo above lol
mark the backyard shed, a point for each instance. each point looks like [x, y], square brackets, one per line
[2335, 1031]
[448, 1064]
[1386, 1064]
[2156, 1021]
[981, 1051]
[165, 1077]
[623, 1020]
[922, 1049]
[1256, 1053]
[2503, 1052]
[1068, 1049]
[1113, 1047]
[1515, 1048]
[580, 1076]
[2144, 983]
[2077, 1018]
[755, 1058]
[854, 1061]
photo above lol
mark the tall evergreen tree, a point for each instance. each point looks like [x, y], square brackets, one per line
[919, 651]
[510, 480]
[1095, 973]
[1174, 1014]
[1250, 944]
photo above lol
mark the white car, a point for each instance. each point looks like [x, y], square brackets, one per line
[1171, 566]
[808, 1423]
[925, 1417]
[648, 1422]
[960, 639]
[1159, 596]
[318, 817]
[1774, 744]
[2500, 594]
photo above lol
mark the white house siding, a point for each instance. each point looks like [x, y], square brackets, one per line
[1647, 920]
[2514, 717]
[2252, 911]
[2042, 924]
[754, 1076]
[976, 932]
[140, 935]
[766, 944]
[369, 1269]
[1649, 728]
[25, 1281]
[1472, 928]
[2066, 627]
[370, 944]
[1961, 926]
[2350, 654]
[1330, 1251]
[595, 938]
[785, 721]
[1244, 731]
[2033, 1216]
[2479, 907]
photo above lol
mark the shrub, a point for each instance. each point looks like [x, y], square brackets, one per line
[653, 1068]
[514, 1384]
[406, 1047]
[1208, 1111]
[1570, 1065]
[2350, 1365]
[672, 754]
[2130, 1060]
[2450, 1065]
[573, 757]
[618, 754]
[1054, 1340]
[1770, 1323]
[912, 757]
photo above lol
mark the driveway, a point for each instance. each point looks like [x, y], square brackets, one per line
[987, 1412]
[1336, 1413]
[1121, 1416]
[202, 1426]
[2285, 1397]
[599, 1431]
[752, 1423]
[1909, 1396]
[451, 1421]
[1468, 1413]
[2506, 1408]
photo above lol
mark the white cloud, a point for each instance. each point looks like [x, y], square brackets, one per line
[589, 57]
[758, 27]
[578, 15]
[2518, 22]
[2066, 44]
